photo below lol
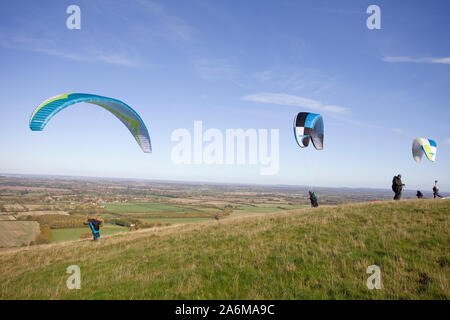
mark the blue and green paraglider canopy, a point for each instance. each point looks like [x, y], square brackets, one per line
[49, 108]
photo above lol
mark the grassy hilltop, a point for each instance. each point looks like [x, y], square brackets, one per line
[318, 253]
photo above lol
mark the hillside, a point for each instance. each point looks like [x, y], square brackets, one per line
[318, 253]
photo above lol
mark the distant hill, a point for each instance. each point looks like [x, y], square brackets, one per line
[318, 253]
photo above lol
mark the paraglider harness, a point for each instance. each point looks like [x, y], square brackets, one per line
[314, 199]
[95, 228]
[397, 187]
[395, 184]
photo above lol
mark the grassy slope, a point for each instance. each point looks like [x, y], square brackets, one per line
[176, 220]
[68, 234]
[301, 254]
[242, 211]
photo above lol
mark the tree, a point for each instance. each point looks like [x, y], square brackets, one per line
[44, 236]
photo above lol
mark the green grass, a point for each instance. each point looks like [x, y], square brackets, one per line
[107, 215]
[320, 253]
[59, 235]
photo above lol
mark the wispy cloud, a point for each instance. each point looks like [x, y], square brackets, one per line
[295, 101]
[214, 69]
[49, 47]
[357, 122]
[168, 26]
[444, 60]
[287, 79]
[263, 76]
[154, 28]
[447, 141]
[117, 59]
[397, 130]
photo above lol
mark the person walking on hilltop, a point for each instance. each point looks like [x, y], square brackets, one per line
[397, 186]
[436, 190]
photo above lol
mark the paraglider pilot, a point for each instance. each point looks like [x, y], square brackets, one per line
[436, 190]
[95, 227]
[397, 186]
[314, 200]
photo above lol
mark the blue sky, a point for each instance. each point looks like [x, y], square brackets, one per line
[231, 64]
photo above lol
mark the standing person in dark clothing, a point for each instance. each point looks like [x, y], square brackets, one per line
[397, 186]
[95, 227]
[419, 194]
[436, 190]
[314, 200]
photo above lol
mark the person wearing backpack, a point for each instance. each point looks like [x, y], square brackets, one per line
[397, 186]
[436, 190]
[94, 224]
[314, 200]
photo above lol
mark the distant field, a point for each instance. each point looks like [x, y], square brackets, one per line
[7, 217]
[24, 188]
[176, 220]
[39, 207]
[249, 210]
[151, 208]
[17, 233]
[41, 213]
[141, 207]
[14, 207]
[108, 215]
[59, 235]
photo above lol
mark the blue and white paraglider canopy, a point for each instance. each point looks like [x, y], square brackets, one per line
[309, 126]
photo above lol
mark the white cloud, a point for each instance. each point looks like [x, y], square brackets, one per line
[117, 59]
[444, 60]
[295, 101]
[156, 28]
[49, 47]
